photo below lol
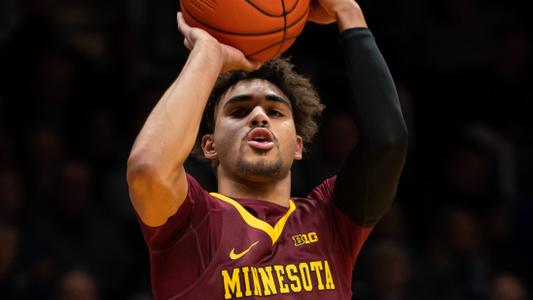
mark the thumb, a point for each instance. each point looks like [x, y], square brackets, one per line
[252, 65]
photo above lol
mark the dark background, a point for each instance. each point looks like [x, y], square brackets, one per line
[78, 79]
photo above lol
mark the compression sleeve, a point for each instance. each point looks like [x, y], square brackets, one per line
[366, 184]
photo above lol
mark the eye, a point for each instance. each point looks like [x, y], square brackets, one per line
[238, 112]
[276, 113]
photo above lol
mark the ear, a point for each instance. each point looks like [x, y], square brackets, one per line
[299, 148]
[208, 147]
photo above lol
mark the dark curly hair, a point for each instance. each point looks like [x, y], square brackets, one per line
[304, 98]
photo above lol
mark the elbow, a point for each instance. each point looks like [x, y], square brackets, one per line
[401, 138]
[396, 139]
[139, 168]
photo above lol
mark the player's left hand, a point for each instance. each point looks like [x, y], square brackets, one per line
[320, 14]
[345, 12]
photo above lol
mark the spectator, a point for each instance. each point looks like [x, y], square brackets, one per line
[506, 286]
[77, 285]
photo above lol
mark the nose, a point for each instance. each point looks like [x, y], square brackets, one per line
[259, 118]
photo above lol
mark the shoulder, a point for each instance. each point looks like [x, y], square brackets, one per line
[319, 197]
[195, 188]
[191, 214]
[324, 191]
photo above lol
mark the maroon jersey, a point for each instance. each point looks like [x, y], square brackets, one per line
[216, 247]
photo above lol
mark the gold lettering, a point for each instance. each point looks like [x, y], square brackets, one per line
[247, 291]
[292, 272]
[313, 237]
[304, 237]
[232, 285]
[267, 280]
[283, 287]
[298, 240]
[317, 267]
[271, 280]
[329, 279]
[257, 287]
[306, 277]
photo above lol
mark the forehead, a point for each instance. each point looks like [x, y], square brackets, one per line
[254, 87]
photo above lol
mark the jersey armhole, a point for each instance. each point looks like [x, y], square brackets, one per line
[351, 236]
[190, 211]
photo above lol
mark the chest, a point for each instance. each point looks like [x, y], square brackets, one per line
[295, 237]
[294, 255]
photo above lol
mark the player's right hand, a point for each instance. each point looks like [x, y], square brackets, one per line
[232, 58]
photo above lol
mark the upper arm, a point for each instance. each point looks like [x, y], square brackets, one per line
[155, 196]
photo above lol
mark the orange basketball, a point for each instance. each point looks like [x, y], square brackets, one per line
[261, 29]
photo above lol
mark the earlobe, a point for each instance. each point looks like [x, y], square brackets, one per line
[208, 147]
[299, 148]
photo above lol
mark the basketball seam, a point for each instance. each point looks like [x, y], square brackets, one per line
[270, 46]
[284, 27]
[245, 34]
[283, 14]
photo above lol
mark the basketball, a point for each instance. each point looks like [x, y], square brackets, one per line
[261, 29]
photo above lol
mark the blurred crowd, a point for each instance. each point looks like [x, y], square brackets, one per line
[79, 78]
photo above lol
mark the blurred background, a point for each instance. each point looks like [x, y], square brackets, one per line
[78, 78]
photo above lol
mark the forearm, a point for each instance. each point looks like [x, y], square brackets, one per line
[156, 179]
[155, 174]
[367, 183]
[169, 133]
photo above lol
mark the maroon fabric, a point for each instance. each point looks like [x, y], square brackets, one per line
[190, 259]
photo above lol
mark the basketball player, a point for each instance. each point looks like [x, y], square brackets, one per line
[250, 239]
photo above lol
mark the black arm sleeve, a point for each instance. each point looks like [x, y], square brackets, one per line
[366, 184]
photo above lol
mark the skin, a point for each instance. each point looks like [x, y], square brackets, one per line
[245, 171]
[156, 178]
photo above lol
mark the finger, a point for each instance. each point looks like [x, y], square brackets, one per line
[256, 64]
[187, 44]
[183, 27]
[319, 15]
[250, 65]
[320, 21]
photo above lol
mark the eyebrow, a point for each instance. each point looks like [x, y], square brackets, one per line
[247, 97]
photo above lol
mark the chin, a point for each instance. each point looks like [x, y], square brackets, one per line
[260, 167]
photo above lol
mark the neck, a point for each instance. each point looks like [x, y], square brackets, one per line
[276, 191]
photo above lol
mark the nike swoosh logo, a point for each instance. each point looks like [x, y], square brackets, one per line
[234, 255]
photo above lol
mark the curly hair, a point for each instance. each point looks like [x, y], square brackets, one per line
[301, 93]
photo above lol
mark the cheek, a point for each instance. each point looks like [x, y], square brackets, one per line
[289, 136]
[226, 136]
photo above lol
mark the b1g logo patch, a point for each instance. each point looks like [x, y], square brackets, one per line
[305, 238]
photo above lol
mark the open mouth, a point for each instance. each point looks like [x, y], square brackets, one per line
[260, 138]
